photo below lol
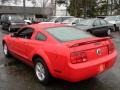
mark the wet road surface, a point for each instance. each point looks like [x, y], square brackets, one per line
[15, 75]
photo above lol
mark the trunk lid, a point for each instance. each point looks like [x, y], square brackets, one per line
[93, 47]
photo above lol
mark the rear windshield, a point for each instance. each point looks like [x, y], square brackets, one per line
[65, 34]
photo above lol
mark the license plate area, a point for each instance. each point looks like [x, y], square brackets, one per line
[101, 68]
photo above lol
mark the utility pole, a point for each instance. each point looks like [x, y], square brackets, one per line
[55, 8]
[111, 6]
[66, 4]
[24, 8]
[84, 8]
[53, 2]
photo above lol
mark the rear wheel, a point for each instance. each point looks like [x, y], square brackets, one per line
[41, 71]
[116, 27]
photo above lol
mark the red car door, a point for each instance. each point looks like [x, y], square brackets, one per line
[20, 42]
[20, 47]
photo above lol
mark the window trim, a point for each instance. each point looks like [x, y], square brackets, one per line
[42, 34]
[26, 28]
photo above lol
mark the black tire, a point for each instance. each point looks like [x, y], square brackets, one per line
[47, 78]
[116, 28]
[6, 50]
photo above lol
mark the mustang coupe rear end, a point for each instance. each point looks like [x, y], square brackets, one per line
[61, 51]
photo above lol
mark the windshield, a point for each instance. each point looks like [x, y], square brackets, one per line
[69, 20]
[86, 22]
[110, 18]
[15, 18]
[50, 18]
[65, 34]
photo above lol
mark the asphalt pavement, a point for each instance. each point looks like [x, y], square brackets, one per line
[15, 75]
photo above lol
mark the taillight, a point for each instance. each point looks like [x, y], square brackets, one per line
[111, 47]
[78, 57]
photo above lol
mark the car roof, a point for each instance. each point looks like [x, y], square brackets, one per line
[94, 19]
[113, 16]
[43, 26]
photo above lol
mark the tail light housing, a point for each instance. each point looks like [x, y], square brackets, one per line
[111, 47]
[78, 57]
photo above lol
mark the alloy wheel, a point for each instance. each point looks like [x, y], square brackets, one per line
[5, 49]
[9, 29]
[40, 71]
[108, 32]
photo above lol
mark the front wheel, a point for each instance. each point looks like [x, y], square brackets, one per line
[9, 29]
[41, 71]
[109, 32]
[5, 50]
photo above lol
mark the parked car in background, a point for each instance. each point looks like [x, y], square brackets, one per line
[115, 20]
[95, 26]
[57, 19]
[61, 51]
[12, 22]
[72, 21]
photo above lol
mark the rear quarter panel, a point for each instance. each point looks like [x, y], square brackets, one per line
[54, 55]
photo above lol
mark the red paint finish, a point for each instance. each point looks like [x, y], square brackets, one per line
[72, 61]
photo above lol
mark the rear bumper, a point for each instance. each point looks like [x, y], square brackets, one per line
[78, 72]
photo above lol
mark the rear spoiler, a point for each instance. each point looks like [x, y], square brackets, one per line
[89, 41]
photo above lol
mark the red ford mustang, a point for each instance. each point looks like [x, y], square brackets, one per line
[60, 51]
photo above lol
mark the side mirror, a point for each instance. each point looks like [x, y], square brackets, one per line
[14, 34]
[74, 23]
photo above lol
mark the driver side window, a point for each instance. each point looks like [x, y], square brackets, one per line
[25, 33]
[76, 21]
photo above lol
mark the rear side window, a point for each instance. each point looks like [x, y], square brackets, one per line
[65, 34]
[40, 37]
[103, 22]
